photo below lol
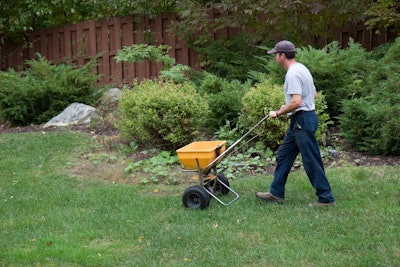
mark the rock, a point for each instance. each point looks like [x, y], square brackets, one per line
[76, 113]
[333, 152]
[111, 95]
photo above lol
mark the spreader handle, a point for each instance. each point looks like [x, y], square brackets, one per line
[230, 148]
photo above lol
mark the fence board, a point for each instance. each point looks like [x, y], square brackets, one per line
[128, 70]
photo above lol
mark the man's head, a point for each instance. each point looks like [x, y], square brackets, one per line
[284, 47]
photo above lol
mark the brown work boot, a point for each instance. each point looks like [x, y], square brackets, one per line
[267, 196]
[322, 204]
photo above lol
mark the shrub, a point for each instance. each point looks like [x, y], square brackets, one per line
[257, 103]
[324, 119]
[371, 123]
[43, 90]
[267, 96]
[371, 128]
[231, 58]
[162, 114]
[224, 98]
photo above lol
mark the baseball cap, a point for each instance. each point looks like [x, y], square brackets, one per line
[282, 47]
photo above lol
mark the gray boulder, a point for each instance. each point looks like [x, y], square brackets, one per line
[76, 113]
[111, 96]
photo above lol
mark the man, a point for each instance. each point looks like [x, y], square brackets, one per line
[300, 94]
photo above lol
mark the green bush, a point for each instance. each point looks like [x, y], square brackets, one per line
[43, 90]
[231, 58]
[162, 114]
[257, 103]
[371, 123]
[140, 52]
[267, 96]
[224, 98]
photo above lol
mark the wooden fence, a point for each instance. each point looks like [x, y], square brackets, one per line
[81, 42]
[369, 39]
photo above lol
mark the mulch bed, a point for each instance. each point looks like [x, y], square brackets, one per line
[348, 154]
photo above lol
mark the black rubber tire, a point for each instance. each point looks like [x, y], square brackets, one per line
[220, 188]
[195, 197]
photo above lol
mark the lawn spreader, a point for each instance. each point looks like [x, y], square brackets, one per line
[203, 157]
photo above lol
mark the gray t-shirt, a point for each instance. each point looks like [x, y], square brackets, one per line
[299, 81]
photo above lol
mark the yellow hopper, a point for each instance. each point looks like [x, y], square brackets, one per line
[200, 154]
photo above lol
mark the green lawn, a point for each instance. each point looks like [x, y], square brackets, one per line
[51, 219]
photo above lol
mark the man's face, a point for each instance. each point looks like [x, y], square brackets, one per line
[279, 57]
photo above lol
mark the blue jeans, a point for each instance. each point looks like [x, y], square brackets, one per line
[300, 138]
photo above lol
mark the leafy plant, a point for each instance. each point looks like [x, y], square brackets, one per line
[248, 163]
[161, 114]
[224, 98]
[371, 122]
[228, 132]
[230, 58]
[43, 90]
[266, 96]
[141, 52]
[177, 73]
[157, 166]
[257, 103]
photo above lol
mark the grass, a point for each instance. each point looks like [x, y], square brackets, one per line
[50, 218]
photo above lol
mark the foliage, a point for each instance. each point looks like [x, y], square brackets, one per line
[140, 52]
[324, 119]
[24, 15]
[224, 98]
[371, 122]
[266, 96]
[257, 103]
[156, 166]
[254, 160]
[230, 58]
[383, 13]
[43, 90]
[335, 71]
[230, 132]
[177, 73]
[294, 19]
[164, 114]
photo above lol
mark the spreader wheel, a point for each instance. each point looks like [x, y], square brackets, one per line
[219, 187]
[196, 197]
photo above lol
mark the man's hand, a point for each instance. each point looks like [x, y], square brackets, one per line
[273, 114]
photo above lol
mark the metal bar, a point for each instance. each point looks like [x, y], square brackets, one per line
[229, 149]
[218, 199]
